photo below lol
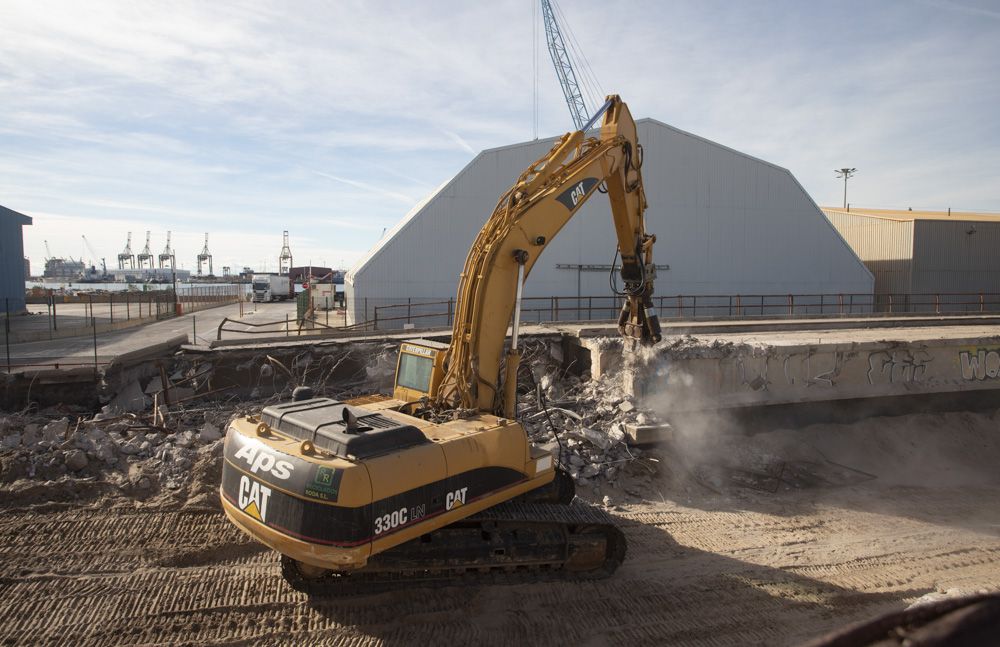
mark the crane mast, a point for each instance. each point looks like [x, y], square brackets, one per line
[94, 256]
[564, 67]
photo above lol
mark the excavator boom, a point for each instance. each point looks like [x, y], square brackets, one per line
[526, 219]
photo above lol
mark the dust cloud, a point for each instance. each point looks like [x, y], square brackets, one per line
[814, 446]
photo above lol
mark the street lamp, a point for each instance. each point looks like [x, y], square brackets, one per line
[845, 173]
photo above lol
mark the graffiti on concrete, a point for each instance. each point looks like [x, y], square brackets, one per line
[897, 366]
[822, 369]
[980, 364]
[753, 372]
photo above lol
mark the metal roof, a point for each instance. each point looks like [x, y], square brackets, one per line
[727, 223]
[906, 215]
[10, 213]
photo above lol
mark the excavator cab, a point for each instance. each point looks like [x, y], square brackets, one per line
[419, 369]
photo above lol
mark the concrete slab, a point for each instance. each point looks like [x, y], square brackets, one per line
[783, 367]
[648, 434]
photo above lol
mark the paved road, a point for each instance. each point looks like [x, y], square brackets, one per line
[204, 324]
[78, 315]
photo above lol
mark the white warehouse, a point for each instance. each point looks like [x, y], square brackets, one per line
[727, 224]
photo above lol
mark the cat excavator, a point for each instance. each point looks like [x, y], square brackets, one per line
[439, 483]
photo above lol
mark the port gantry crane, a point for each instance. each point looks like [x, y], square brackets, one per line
[145, 256]
[126, 257]
[205, 256]
[167, 255]
[285, 257]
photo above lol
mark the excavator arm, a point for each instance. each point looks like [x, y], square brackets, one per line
[526, 219]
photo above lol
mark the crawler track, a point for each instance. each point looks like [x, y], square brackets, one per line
[512, 543]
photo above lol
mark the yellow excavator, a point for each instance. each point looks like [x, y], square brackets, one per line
[439, 483]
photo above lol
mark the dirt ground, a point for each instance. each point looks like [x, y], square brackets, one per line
[714, 558]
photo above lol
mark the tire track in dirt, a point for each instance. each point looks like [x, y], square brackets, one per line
[105, 575]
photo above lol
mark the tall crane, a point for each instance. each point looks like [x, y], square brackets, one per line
[94, 256]
[145, 256]
[205, 255]
[167, 255]
[48, 252]
[285, 258]
[564, 67]
[126, 256]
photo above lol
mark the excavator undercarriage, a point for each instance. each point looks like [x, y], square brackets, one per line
[506, 544]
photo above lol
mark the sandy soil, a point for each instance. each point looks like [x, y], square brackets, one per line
[715, 557]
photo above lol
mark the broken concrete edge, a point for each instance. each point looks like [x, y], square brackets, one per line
[723, 349]
[149, 352]
[712, 325]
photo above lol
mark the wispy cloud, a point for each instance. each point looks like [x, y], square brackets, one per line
[961, 8]
[195, 116]
[455, 137]
[367, 187]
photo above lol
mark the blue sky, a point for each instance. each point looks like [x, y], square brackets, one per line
[332, 119]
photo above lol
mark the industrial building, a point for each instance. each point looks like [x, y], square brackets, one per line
[926, 260]
[63, 269]
[726, 223]
[320, 274]
[12, 265]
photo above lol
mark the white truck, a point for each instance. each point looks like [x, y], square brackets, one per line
[270, 287]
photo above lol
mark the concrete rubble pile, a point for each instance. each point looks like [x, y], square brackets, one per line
[122, 450]
[584, 422]
[137, 441]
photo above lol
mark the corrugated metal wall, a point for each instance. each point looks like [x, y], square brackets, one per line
[956, 256]
[726, 223]
[12, 259]
[885, 246]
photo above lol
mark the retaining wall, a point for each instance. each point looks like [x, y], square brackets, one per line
[720, 376]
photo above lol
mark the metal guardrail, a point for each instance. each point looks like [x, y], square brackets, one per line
[736, 306]
[284, 326]
[154, 305]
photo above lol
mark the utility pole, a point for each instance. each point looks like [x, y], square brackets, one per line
[845, 173]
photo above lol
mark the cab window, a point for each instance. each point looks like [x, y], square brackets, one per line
[414, 372]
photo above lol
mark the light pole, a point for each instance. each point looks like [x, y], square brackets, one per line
[845, 173]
